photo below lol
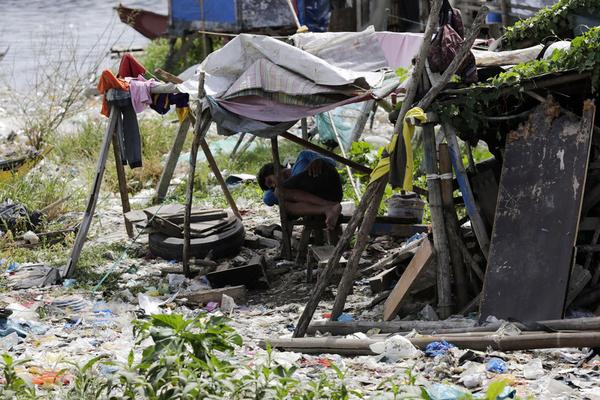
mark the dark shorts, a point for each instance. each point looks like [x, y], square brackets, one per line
[327, 185]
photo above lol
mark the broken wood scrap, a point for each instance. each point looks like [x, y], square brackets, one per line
[357, 347]
[252, 275]
[383, 280]
[394, 257]
[238, 293]
[423, 256]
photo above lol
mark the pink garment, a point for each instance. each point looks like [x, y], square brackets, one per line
[139, 88]
[399, 48]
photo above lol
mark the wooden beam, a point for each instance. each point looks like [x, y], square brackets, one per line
[309, 145]
[238, 293]
[417, 264]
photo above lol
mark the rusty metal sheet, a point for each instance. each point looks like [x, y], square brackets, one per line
[537, 214]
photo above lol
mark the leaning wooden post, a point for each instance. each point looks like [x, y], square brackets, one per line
[93, 199]
[374, 188]
[440, 240]
[122, 182]
[452, 228]
[362, 238]
[167, 174]
[200, 128]
[215, 170]
[465, 187]
[286, 245]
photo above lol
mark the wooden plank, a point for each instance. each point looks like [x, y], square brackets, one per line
[417, 264]
[539, 203]
[93, 199]
[383, 280]
[238, 293]
[122, 183]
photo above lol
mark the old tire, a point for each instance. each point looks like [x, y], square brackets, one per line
[222, 244]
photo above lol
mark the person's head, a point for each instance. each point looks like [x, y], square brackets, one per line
[266, 177]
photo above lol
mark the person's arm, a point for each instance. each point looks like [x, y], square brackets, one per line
[270, 198]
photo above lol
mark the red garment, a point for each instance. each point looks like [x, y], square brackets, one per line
[130, 67]
[109, 81]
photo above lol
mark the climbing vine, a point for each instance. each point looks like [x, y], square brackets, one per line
[557, 20]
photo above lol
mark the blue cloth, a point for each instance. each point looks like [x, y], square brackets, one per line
[305, 157]
[496, 365]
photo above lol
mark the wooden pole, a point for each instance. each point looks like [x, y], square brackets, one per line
[341, 146]
[167, 173]
[309, 145]
[355, 347]
[447, 327]
[201, 126]
[440, 240]
[359, 127]
[452, 228]
[215, 170]
[93, 199]
[304, 127]
[237, 144]
[286, 244]
[465, 188]
[122, 182]
[374, 188]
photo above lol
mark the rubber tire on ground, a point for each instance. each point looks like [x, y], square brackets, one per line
[222, 244]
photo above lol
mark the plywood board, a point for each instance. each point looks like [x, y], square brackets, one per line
[417, 264]
[535, 226]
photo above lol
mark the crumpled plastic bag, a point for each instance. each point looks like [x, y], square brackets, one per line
[395, 348]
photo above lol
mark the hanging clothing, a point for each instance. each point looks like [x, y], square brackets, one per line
[128, 130]
[140, 89]
[109, 81]
[401, 173]
[130, 67]
[161, 103]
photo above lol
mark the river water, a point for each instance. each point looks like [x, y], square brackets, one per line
[40, 33]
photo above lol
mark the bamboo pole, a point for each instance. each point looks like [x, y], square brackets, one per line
[440, 240]
[465, 188]
[122, 182]
[370, 194]
[447, 327]
[215, 170]
[237, 144]
[304, 127]
[355, 347]
[341, 146]
[452, 228]
[286, 243]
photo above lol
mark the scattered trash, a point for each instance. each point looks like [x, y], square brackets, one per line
[533, 369]
[69, 283]
[227, 304]
[31, 238]
[345, 318]
[395, 348]
[434, 349]
[32, 275]
[496, 365]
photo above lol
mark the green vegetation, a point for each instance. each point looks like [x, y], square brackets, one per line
[556, 20]
[157, 52]
[194, 359]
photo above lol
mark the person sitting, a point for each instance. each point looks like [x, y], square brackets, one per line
[312, 187]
